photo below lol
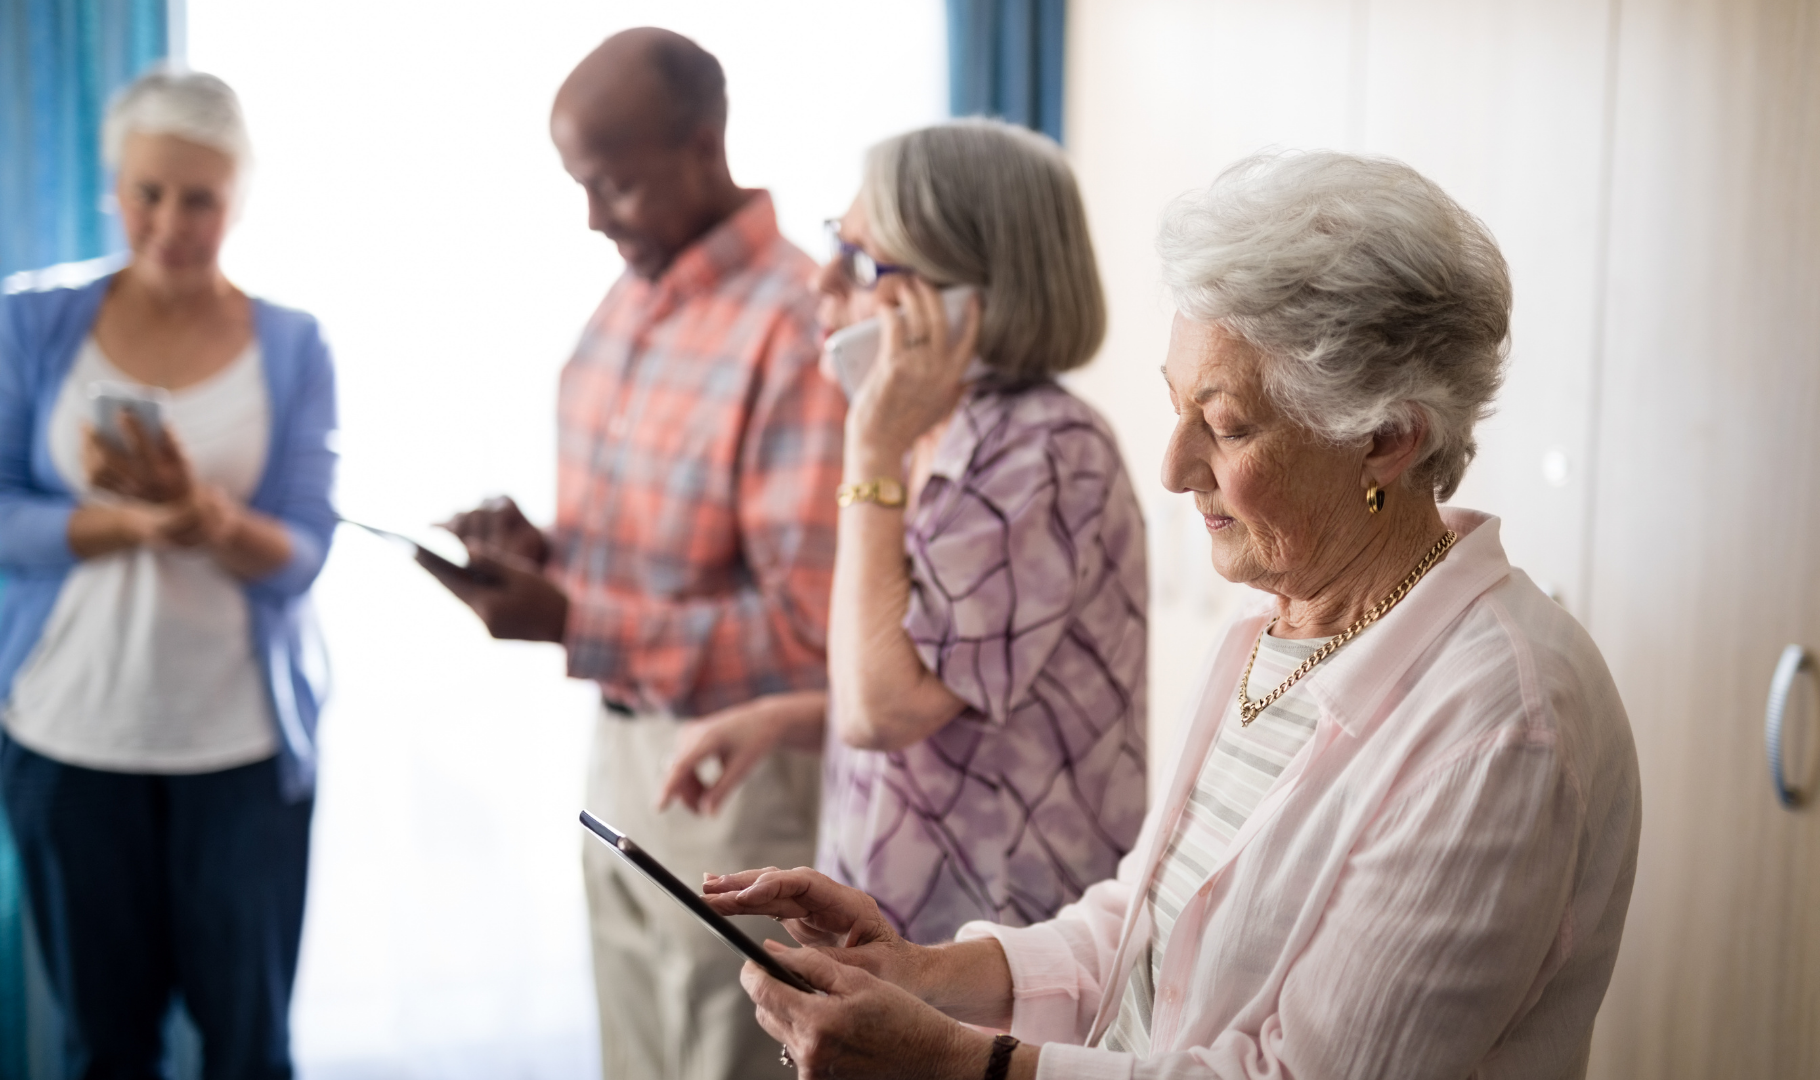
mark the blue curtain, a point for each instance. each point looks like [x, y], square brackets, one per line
[13, 1061]
[59, 62]
[1005, 60]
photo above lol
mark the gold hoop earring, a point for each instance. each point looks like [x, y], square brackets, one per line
[1374, 498]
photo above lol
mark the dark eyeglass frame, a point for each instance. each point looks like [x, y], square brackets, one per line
[860, 269]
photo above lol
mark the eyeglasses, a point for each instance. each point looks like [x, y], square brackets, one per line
[858, 267]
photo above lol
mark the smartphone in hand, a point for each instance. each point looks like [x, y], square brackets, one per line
[852, 350]
[146, 403]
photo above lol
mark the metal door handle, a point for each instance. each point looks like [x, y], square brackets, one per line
[1795, 660]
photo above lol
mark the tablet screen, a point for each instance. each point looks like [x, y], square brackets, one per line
[426, 549]
[723, 927]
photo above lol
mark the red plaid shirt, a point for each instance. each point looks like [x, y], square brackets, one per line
[698, 454]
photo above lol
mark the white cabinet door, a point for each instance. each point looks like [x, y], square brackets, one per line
[1706, 526]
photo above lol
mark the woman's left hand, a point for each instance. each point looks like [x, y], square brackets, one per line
[918, 377]
[207, 518]
[147, 468]
[860, 1025]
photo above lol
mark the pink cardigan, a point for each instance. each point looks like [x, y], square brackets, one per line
[1435, 886]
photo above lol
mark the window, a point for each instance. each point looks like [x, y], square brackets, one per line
[407, 194]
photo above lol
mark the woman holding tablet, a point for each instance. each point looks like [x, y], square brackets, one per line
[164, 508]
[984, 731]
[1402, 830]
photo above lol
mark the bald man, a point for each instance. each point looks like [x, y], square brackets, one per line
[691, 559]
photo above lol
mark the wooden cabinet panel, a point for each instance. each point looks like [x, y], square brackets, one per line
[1504, 105]
[1651, 169]
[1706, 526]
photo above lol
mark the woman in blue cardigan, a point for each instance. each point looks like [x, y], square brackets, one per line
[158, 676]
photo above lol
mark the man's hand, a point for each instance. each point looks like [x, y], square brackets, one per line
[517, 604]
[497, 527]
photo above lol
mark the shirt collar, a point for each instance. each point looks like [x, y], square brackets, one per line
[1362, 674]
[981, 411]
[737, 242]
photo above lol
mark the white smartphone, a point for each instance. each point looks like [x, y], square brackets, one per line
[850, 352]
[110, 399]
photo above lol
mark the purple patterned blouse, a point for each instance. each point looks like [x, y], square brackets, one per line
[1028, 599]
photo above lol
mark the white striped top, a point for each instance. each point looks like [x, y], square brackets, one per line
[1243, 764]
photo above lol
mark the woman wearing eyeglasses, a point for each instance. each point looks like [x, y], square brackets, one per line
[984, 728]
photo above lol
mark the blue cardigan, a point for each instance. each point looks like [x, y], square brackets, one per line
[40, 333]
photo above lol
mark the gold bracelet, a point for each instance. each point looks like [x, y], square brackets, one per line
[883, 491]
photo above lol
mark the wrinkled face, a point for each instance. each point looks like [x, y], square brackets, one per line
[647, 194]
[842, 302]
[1274, 495]
[176, 198]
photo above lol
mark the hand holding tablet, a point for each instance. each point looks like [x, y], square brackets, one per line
[428, 559]
[736, 939]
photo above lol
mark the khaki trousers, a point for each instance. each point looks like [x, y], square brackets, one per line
[671, 1007]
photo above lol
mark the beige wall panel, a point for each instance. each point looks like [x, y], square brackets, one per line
[1503, 104]
[1162, 95]
[1500, 101]
[1707, 526]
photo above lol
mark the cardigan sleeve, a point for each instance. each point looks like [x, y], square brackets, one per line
[34, 522]
[301, 473]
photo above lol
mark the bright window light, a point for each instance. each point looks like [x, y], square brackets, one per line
[407, 194]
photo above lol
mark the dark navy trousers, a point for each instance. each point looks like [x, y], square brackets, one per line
[143, 887]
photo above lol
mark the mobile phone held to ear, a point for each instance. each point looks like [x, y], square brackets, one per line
[110, 399]
[723, 927]
[852, 350]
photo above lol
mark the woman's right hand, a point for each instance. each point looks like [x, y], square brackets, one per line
[737, 739]
[821, 913]
[146, 468]
[918, 378]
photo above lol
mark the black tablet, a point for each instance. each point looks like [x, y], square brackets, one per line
[444, 565]
[735, 938]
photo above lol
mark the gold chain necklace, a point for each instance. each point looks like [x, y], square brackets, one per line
[1249, 709]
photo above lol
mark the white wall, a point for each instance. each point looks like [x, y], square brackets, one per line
[1502, 102]
[408, 196]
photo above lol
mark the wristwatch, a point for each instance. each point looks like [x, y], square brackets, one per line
[999, 1064]
[884, 491]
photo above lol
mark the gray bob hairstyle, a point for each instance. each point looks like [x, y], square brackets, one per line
[980, 202]
[1378, 303]
[187, 104]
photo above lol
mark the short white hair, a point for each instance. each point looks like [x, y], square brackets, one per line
[188, 104]
[1375, 299]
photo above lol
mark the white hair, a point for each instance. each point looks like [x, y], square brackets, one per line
[188, 104]
[1378, 303]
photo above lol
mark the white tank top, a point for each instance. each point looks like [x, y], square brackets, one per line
[146, 663]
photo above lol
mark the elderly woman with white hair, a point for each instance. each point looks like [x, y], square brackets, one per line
[1402, 831]
[165, 466]
[983, 742]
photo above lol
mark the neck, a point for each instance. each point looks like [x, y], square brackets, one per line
[164, 296]
[1378, 559]
[723, 199]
